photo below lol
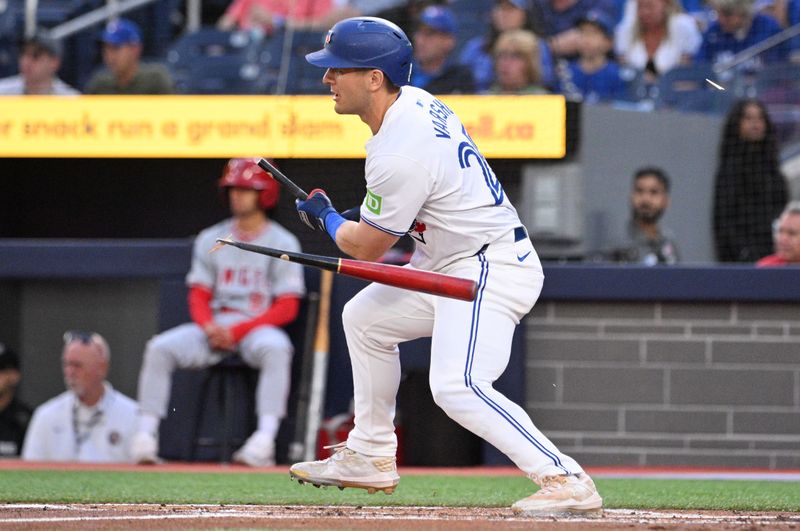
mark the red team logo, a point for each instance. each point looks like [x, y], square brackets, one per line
[418, 227]
[236, 281]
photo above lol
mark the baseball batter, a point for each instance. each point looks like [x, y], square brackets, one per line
[425, 176]
[238, 302]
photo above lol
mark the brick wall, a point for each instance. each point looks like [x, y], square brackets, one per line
[667, 383]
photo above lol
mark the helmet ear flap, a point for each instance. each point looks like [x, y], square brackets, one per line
[268, 198]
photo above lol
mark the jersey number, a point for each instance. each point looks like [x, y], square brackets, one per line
[467, 149]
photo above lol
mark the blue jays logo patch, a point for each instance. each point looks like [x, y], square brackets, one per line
[416, 231]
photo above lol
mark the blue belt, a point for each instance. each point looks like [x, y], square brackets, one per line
[520, 233]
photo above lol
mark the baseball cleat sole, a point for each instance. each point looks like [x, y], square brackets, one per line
[561, 513]
[341, 485]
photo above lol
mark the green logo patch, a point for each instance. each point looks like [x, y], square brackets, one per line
[373, 202]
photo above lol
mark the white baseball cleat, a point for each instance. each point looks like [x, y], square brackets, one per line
[348, 468]
[257, 451]
[560, 495]
[144, 448]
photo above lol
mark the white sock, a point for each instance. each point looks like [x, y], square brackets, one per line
[268, 426]
[148, 423]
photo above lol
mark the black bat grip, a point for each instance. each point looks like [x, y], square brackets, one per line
[284, 180]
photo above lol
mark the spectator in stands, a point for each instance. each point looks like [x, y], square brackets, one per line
[125, 73]
[238, 303]
[90, 422]
[360, 8]
[739, 26]
[557, 21]
[269, 16]
[435, 66]
[648, 243]
[39, 61]
[407, 14]
[786, 234]
[749, 191]
[594, 76]
[478, 52]
[517, 64]
[14, 414]
[655, 36]
[787, 13]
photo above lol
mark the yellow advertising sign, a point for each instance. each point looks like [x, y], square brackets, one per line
[273, 126]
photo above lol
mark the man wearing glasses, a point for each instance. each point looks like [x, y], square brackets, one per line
[90, 421]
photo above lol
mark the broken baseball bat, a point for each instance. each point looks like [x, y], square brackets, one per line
[391, 275]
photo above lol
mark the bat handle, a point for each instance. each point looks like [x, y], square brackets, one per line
[298, 192]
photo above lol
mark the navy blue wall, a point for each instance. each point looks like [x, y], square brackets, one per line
[168, 260]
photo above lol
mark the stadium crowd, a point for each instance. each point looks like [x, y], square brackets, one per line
[634, 51]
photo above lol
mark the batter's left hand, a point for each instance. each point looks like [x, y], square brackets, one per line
[314, 209]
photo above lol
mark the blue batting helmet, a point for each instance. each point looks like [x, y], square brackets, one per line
[367, 42]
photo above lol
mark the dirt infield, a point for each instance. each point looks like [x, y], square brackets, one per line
[149, 516]
[168, 516]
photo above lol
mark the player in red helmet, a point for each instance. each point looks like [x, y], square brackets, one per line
[238, 302]
[247, 174]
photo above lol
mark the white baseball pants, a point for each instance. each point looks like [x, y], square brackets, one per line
[265, 348]
[471, 347]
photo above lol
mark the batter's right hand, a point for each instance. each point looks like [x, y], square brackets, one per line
[313, 210]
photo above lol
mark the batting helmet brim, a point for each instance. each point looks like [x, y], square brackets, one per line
[326, 59]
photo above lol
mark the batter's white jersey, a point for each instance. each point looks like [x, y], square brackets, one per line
[64, 430]
[425, 176]
[424, 170]
[240, 280]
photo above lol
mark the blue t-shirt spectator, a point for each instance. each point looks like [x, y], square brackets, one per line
[720, 45]
[594, 76]
[605, 84]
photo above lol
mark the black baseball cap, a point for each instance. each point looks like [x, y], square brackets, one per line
[44, 42]
[8, 358]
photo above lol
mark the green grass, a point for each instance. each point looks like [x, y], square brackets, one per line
[41, 486]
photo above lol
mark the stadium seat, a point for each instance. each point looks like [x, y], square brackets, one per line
[302, 78]
[687, 88]
[223, 76]
[778, 83]
[210, 61]
[777, 87]
[637, 89]
[8, 42]
[49, 12]
[211, 42]
[472, 19]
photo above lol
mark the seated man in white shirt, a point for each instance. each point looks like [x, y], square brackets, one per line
[90, 422]
[39, 61]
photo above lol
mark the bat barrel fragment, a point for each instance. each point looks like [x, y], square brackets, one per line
[391, 275]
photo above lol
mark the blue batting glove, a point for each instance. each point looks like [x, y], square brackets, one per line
[317, 211]
[313, 210]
